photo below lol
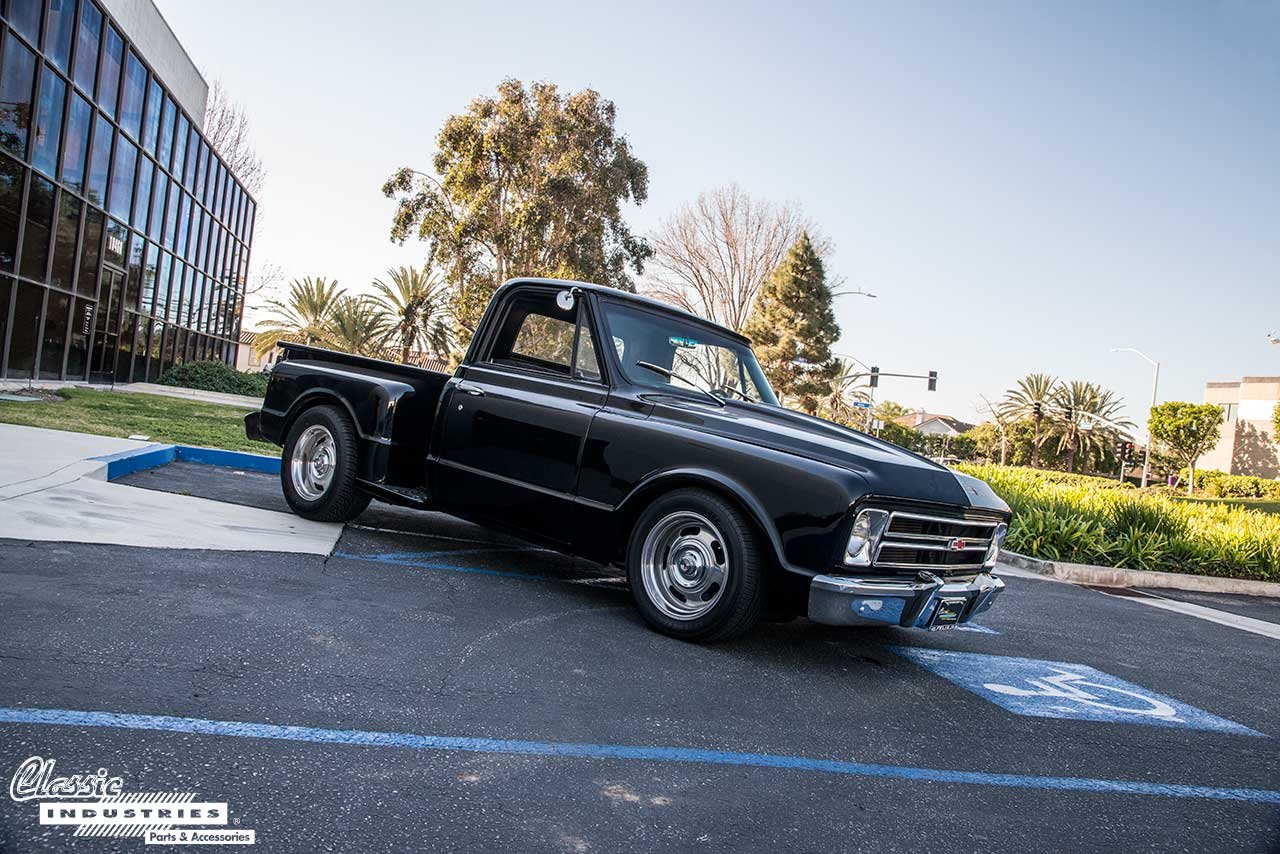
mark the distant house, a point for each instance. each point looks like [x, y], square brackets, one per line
[246, 360]
[1246, 440]
[934, 424]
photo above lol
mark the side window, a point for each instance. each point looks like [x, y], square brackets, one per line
[538, 334]
[544, 339]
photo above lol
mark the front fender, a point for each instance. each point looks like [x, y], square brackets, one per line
[665, 481]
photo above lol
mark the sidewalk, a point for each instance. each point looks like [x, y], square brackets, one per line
[52, 488]
[238, 400]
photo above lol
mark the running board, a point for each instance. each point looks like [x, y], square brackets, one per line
[405, 496]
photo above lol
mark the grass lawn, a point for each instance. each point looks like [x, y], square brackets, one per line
[1262, 505]
[122, 414]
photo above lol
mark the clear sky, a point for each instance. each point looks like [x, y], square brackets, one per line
[1025, 185]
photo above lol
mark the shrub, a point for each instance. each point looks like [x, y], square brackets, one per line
[1060, 516]
[1219, 484]
[215, 376]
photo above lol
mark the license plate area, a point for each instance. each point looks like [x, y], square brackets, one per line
[947, 614]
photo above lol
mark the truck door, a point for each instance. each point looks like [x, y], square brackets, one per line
[514, 422]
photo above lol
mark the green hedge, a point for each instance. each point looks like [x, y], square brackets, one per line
[1091, 520]
[215, 376]
[1219, 484]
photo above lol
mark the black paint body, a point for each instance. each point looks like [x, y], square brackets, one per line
[572, 462]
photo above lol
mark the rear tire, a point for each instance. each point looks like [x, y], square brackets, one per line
[318, 468]
[696, 567]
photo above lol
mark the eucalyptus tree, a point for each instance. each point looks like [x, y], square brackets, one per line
[530, 182]
[415, 310]
[303, 315]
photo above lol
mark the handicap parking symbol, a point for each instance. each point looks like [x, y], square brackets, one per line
[1057, 689]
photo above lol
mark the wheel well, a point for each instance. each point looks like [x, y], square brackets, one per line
[641, 501]
[311, 401]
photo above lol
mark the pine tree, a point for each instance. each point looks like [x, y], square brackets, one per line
[793, 327]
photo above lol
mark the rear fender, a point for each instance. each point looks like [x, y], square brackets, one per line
[370, 403]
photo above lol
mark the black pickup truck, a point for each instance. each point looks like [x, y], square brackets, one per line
[620, 429]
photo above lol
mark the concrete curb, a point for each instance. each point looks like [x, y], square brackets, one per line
[1109, 576]
[126, 462]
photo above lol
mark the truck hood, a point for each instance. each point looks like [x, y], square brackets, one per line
[889, 470]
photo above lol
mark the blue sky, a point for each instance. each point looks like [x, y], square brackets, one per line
[1025, 185]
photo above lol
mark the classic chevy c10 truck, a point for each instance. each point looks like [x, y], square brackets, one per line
[622, 430]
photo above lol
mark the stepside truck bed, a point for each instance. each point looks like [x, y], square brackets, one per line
[393, 407]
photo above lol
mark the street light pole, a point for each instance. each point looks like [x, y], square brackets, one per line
[858, 293]
[1155, 386]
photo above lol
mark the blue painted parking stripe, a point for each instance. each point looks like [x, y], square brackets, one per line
[127, 462]
[418, 564]
[366, 738]
[229, 459]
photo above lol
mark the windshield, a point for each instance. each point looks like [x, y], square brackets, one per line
[695, 353]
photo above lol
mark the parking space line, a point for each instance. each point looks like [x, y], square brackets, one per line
[623, 752]
[429, 536]
[1190, 609]
[471, 570]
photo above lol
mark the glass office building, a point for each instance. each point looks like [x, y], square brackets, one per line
[124, 239]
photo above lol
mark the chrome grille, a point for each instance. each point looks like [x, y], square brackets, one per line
[944, 545]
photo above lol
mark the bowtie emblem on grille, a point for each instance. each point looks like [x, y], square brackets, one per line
[957, 545]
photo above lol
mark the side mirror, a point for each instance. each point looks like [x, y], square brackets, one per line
[564, 300]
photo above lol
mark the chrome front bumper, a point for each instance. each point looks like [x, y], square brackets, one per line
[838, 600]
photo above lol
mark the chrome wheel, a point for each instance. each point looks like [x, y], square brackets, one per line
[685, 565]
[315, 456]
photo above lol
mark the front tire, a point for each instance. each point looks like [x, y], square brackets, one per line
[696, 567]
[318, 468]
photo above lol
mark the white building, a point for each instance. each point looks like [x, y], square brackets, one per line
[1247, 442]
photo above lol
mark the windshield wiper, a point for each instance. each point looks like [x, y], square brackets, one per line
[742, 394]
[649, 366]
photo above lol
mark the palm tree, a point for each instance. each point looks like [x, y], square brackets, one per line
[838, 405]
[303, 316]
[414, 307]
[1032, 398]
[1108, 407]
[356, 326]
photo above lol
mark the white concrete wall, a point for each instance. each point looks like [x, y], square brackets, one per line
[149, 32]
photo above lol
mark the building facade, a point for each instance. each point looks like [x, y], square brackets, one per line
[124, 238]
[1247, 443]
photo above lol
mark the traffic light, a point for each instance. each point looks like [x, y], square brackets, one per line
[933, 381]
[874, 382]
[1036, 410]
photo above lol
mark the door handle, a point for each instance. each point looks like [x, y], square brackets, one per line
[473, 390]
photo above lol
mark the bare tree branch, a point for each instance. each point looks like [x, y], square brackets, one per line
[227, 128]
[712, 257]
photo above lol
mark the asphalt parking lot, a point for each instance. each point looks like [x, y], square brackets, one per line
[431, 685]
